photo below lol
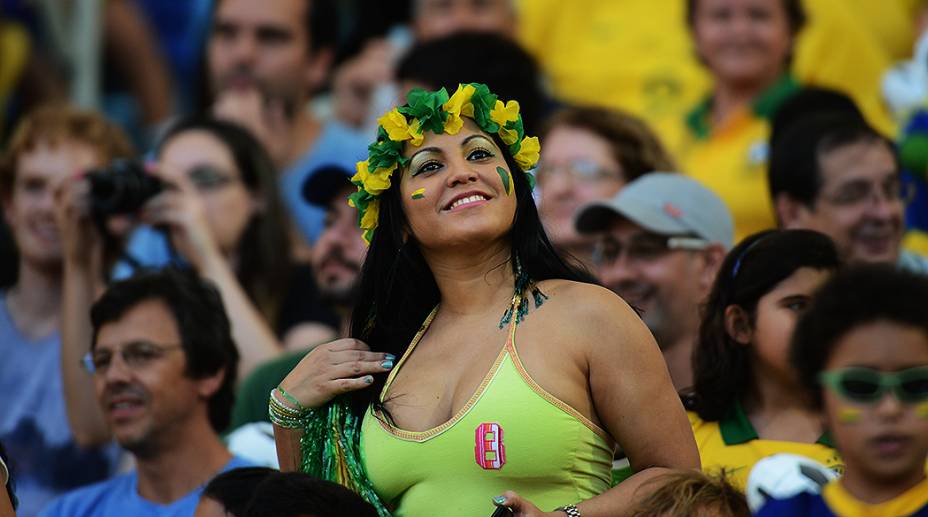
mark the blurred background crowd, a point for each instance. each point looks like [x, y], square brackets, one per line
[684, 144]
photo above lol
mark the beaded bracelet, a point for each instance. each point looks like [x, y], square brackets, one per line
[286, 416]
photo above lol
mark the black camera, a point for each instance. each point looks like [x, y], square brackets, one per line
[121, 188]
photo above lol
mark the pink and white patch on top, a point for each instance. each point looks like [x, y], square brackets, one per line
[489, 450]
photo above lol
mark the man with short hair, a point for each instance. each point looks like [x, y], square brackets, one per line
[48, 454]
[833, 173]
[265, 59]
[163, 364]
[660, 242]
[337, 258]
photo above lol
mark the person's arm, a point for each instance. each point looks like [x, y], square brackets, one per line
[634, 399]
[134, 48]
[82, 252]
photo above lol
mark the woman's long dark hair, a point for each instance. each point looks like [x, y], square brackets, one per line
[264, 246]
[722, 371]
[398, 290]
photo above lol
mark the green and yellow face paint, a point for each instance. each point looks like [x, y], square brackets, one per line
[921, 410]
[418, 193]
[849, 415]
[506, 177]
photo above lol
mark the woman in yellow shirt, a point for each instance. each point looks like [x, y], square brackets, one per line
[744, 401]
[746, 45]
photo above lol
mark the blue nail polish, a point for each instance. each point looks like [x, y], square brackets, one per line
[368, 380]
[387, 364]
[500, 499]
[390, 357]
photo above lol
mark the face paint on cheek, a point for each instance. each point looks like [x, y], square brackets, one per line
[506, 177]
[921, 410]
[849, 415]
[418, 193]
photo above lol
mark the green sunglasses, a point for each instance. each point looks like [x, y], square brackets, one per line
[868, 385]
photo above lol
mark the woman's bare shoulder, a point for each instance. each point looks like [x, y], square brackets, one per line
[585, 305]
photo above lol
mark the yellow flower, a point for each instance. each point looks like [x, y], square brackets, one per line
[503, 114]
[362, 172]
[378, 181]
[394, 123]
[369, 220]
[527, 156]
[508, 136]
[415, 133]
[459, 104]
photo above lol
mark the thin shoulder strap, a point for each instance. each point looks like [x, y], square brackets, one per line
[412, 345]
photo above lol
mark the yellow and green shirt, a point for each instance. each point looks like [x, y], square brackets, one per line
[731, 160]
[732, 444]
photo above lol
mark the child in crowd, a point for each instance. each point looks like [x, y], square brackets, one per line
[861, 353]
[744, 404]
[692, 493]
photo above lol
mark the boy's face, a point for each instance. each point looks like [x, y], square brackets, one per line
[884, 441]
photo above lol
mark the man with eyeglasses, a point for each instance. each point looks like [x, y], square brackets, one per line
[163, 365]
[660, 242]
[832, 173]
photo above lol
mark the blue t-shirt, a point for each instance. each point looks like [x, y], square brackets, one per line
[337, 144]
[120, 497]
[835, 501]
[45, 461]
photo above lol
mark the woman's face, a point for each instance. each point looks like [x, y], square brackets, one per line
[577, 167]
[776, 317]
[210, 168]
[454, 190]
[742, 41]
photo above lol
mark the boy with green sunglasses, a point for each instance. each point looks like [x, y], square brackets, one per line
[861, 352]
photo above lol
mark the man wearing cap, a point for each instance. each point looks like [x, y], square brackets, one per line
[660, 242]
[336, 259]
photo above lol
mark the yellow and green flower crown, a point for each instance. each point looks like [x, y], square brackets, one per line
[438, 113]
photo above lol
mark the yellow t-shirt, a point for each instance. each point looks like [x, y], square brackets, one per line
[732, 444]
[908, 503]
[731, 160]
[638, 55]
[14, 52]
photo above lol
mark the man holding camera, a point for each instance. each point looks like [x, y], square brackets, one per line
[49, 146]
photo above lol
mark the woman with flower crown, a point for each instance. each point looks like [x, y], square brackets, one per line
[483, 369]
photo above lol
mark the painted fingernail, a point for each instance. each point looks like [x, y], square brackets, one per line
[390, 357]
[387, 364]
[368, 379]
[500, 499]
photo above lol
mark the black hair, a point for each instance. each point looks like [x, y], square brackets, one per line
[721, 366]
[810, 100]
[397, 288]
[795, 156]
[10, 484]
[233, 489]
[795, 14]
[201, 320]
[264, 266]
[320, 20]
[480, 57]
[294, 494]
[851, 299]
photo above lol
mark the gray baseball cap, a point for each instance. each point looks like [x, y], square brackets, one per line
[666, 203]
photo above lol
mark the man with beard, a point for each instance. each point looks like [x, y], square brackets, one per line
[163, 364]
[833, 173]
[264, 61]
[660, 242]
[46, 449]
[337, 257]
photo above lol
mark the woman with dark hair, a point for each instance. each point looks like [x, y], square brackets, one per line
[744, 401]
[746, 46]
[459, 269]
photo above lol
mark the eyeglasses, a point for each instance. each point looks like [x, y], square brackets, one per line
[578, 170]
[858, 192]
[643, 247]
[868, 386]
[137, 355]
